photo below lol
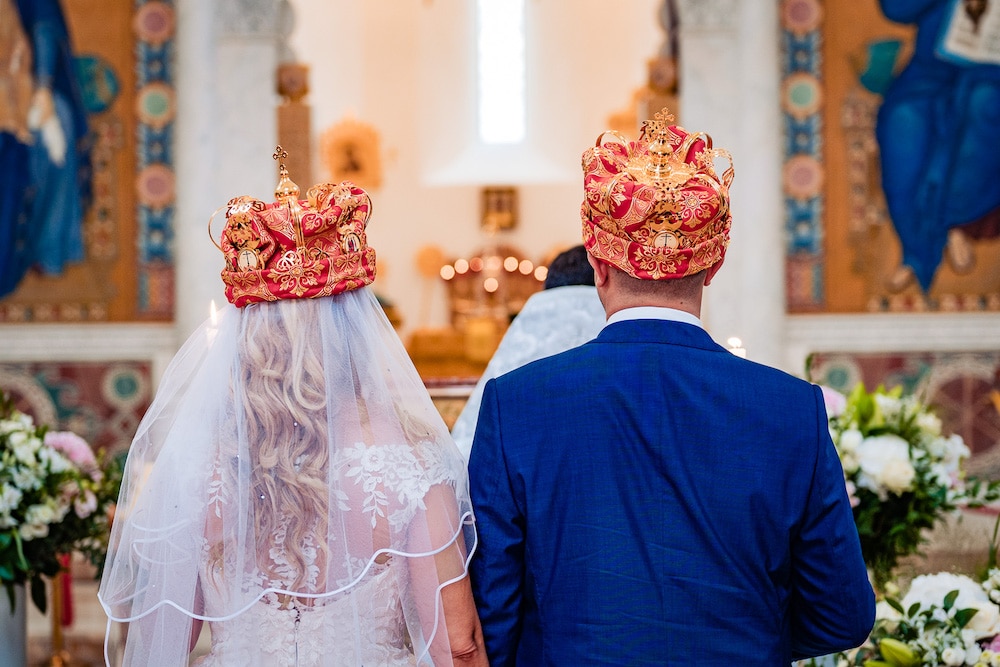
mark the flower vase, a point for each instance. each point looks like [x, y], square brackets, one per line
[14, 629]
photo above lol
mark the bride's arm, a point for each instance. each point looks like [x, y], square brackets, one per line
[463, 640]
[465, 634]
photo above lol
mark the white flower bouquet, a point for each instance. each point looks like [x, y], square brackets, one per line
[944, 619]
[55, 497]
[903, 474]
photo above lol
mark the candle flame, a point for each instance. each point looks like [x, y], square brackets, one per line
[736, 347]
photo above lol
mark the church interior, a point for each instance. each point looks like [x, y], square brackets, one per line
[465, 120]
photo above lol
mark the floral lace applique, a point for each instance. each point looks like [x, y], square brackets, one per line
[393, 473]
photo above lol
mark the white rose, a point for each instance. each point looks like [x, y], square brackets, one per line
[56, 462]
[953, 657]
[936, 447]
[30, 531]
[849, 462]
[941, 475]
[897, 476]
[26, 479]
[929, 423]
[24, 448]
[9, 498]
[972, 654]
[955, 450]
[931, 589]
[850, 440]
[986, 622]
[875, 455]
[40, 514]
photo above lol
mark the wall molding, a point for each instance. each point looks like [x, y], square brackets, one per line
[890, 333]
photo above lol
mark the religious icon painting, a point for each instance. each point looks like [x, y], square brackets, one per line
[891, 204]
[350, 152]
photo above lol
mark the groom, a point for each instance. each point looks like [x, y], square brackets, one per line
[649, 498]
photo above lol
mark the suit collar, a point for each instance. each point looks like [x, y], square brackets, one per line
[657, 331]
[655, 313]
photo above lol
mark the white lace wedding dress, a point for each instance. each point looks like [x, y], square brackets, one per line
[294, 633]
[325, 631]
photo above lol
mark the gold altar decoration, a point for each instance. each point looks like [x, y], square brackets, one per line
[493, 283]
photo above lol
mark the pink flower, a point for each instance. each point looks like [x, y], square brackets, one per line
[71, 446]
[85, 505]
[835, 401]
[851, 489]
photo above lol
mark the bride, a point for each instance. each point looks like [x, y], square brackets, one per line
[292, 485]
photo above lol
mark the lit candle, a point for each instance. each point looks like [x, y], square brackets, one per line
[736, 347]
[213, 320]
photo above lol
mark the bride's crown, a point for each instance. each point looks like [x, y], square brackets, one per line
[292, 249]
[655, 208]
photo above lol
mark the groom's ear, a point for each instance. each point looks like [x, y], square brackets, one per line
[600, 270]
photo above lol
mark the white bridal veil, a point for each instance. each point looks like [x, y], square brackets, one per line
[293, 485]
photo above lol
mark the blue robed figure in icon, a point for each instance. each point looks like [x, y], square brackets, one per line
[46, 171]
[938, 131]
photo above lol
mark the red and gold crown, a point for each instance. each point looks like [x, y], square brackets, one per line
[292, 249]
[655, 208]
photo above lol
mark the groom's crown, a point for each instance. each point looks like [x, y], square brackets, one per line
[292, 249]
[655, 208]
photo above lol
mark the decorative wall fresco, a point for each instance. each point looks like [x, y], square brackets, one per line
[127, 272]
[102, 402]
[851, 125]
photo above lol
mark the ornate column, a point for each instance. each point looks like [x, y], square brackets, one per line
[226, 132]
[729, 81]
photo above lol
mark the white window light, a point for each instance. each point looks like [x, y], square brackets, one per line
[501, 47]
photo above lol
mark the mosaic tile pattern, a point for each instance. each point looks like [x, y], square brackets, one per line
[102, 402]
[803, 172]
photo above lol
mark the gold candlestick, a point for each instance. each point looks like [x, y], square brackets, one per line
[60, 656]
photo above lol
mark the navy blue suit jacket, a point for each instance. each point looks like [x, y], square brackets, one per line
[649, 498]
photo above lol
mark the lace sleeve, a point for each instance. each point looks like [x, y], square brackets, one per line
[394, 478]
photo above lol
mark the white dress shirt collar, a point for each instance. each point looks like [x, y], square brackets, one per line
[655, 313]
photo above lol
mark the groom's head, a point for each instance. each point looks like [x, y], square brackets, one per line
[655, 215]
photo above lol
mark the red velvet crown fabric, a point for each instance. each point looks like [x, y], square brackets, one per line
[269, 257]
[647, 230]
